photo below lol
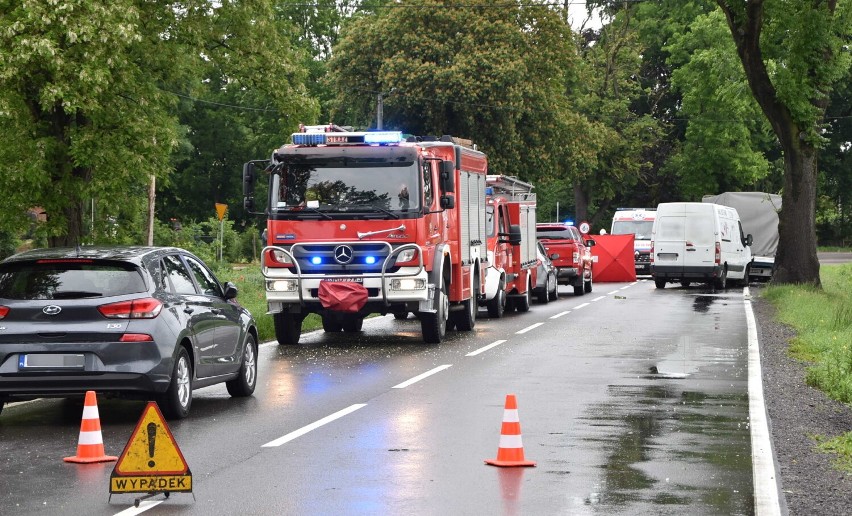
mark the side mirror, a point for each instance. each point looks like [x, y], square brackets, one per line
[749, 239]
[248, 186]
[448, 202]
[230, 290]
[448, 176]
[554, 256]
[514, 234]
[590, 243]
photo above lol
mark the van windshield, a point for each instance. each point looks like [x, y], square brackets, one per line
[640, 228]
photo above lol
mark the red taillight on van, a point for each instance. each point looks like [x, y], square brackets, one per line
[651, 256]
[4, 310]
[146, 308]
[718, 253]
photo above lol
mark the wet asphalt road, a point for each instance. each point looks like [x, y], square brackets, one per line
[632, 400]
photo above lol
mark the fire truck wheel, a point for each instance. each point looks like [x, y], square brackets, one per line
[497, 305]
[522, 304]
[434, 325]
[465, 320]
[353, 324]
[288, 327]
[330, 324]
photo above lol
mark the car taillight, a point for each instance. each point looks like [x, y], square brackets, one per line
[651, 257]
[576, 257]
[3, 311]
[718, 253]
[136, 337]
[146, 308]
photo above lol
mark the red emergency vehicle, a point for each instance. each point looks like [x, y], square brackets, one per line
[371, 222]
[511, 257]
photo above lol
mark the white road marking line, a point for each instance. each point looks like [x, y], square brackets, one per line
[313, 426]
[622, 288]
[143, 506]
[485, 348]
[528, 328]
[613, 292]
[419, 377]
[581, 306]
[598, 298]
[560, 314]
[762, 457]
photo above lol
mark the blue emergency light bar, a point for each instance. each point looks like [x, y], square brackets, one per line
[343, 138]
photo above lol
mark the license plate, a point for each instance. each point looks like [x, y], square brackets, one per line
[667, 257]
[51, 361]
[344, 280]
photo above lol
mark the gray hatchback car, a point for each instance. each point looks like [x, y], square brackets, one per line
[134, 322]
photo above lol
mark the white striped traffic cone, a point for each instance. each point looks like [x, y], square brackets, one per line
[511, 450]
[90, 447]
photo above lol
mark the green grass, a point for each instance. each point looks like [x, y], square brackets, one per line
[252, 295]
[823, 323]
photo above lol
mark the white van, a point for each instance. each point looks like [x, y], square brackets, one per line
[699, 242]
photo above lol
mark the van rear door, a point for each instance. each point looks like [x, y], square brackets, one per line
[669, 240]
[700, 236]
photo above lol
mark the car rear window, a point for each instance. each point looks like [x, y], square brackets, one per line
[68, 279]
[554, 233]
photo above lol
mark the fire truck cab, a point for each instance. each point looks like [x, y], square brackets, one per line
[371, 222]
[511, 256]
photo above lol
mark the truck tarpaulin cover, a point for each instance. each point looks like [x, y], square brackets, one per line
[342, 296]
[613, 260]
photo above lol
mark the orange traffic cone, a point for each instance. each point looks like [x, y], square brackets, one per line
[90, 447]
[511, 450]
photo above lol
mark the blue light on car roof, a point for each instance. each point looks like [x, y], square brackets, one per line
[569, 222]
[309, 138]
[383, 137]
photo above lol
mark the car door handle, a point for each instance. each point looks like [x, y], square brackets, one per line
[691, 249]
[188, 310]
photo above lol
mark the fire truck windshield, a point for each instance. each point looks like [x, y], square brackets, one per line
[386, 189]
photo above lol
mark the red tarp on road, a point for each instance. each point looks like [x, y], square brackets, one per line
[613, 260]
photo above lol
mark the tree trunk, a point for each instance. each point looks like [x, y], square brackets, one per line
[581, 203]
[73, 213]
[796, 260]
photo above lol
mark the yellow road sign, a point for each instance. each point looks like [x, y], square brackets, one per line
[220, 210]
[151, 460]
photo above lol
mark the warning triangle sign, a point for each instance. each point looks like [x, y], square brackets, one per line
[152, 449]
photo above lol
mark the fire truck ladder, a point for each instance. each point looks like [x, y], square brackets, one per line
[511, 187]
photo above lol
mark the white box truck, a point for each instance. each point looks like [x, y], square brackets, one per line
[759, 214]
[696, 242]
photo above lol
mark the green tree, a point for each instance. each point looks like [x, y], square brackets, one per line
[727, 138]
[498, 76]
[89, 95]
[793, 54]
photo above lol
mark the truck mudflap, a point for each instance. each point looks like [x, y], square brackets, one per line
[287, 286]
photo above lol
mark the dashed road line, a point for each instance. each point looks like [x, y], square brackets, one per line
[313, 426]
[485, 348]
[581, 306]
[598, 298]
[419, 377]
[560, 314]
[528, 328]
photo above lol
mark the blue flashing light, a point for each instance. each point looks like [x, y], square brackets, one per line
[383, 137]
[316, 260]
[309, 138]
[370, 260]
[569, 222]
[489, 190]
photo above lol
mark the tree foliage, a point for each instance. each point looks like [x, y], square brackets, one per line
[500, 77]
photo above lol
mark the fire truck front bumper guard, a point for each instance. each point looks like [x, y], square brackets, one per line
[289, 285]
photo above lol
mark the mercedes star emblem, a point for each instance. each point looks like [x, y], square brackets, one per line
[343, 254]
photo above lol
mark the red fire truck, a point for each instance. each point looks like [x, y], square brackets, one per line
[371, 222]
[511, 255]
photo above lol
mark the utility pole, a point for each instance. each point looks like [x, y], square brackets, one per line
[380, 107]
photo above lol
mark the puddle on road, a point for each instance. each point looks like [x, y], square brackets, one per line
[668, 445]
